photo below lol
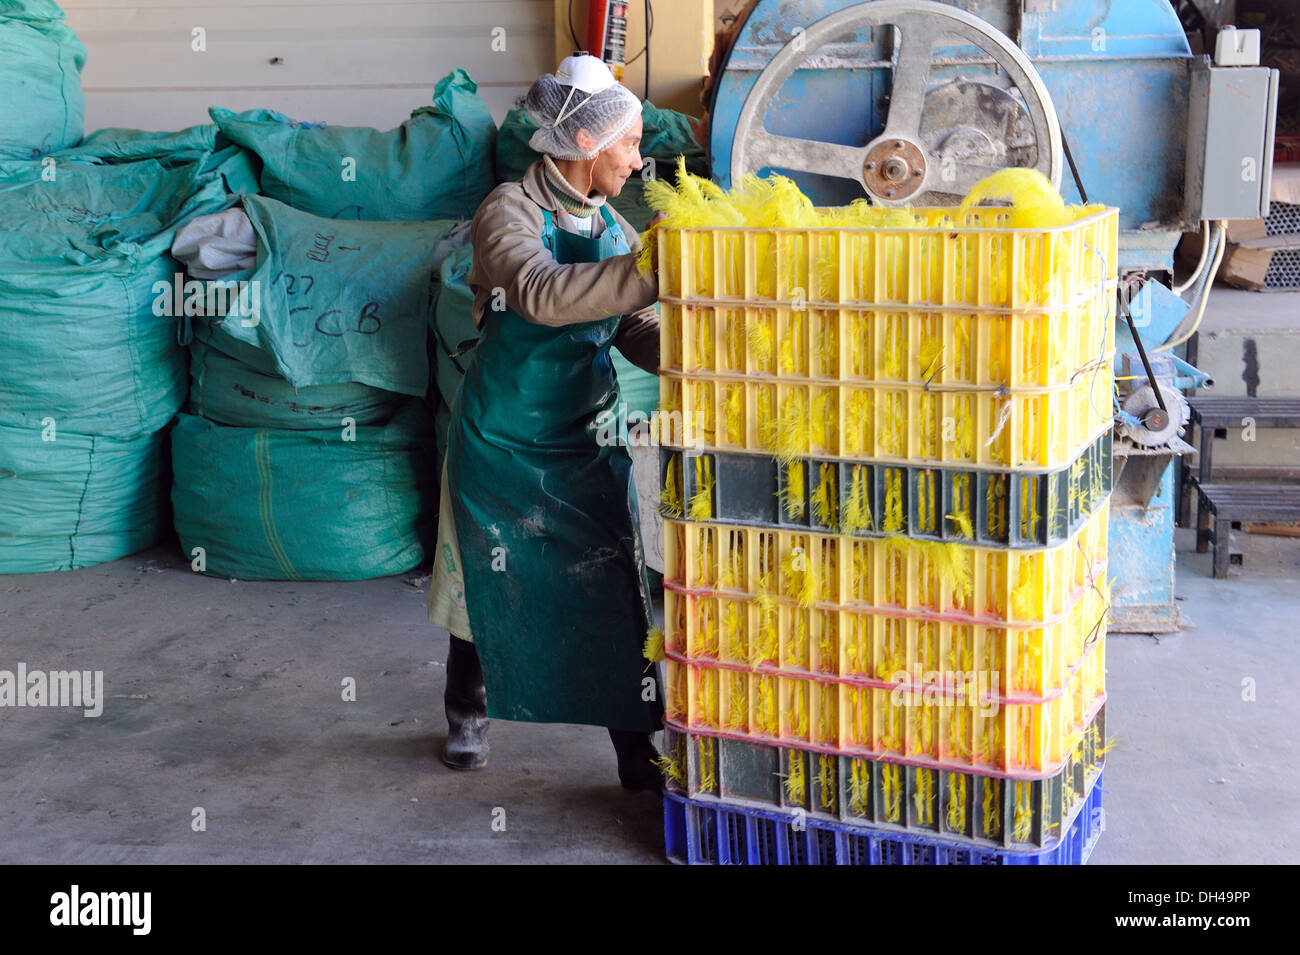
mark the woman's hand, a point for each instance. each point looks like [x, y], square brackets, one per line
[658, 218]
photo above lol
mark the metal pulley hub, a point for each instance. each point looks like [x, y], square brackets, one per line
[1154, 426]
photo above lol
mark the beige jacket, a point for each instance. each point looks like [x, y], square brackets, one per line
[509, 255]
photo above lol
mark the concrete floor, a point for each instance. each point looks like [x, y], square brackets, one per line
[226, 696]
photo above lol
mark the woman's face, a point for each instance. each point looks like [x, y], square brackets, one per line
[618, 162]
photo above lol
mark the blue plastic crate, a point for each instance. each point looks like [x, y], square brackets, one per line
[711, 833]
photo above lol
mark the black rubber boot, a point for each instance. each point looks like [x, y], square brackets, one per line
[636, 761]
[465, 701]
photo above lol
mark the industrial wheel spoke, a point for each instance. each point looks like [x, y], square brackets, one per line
[805, 155]
[911, 74]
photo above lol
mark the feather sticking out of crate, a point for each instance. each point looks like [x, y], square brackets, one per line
[671, 769]
[653, 650]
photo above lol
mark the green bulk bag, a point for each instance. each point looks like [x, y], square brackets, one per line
[40, 76]
[336, 301]
[128, 145]
[83, 257]
[227, 391]
[454, 336]
[454, 333]
[306, 505]
[78, 499]
[436, 165]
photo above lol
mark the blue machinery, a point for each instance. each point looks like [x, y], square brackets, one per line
[912, 102]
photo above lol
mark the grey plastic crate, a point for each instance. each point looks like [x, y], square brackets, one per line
[749, 489]
[894, 796]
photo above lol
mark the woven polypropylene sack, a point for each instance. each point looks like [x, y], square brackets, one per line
[129, 145]
[71, 500]
[436, 165]
[454, 332]
[86, 337]
[335, 301]
[40, 75]
[227, 391]
[337, 504]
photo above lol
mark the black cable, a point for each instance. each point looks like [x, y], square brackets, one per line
[1074, 170]
[1142, 353]
[649, 29]
[573, 36]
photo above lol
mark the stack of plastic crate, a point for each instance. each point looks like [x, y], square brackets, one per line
[886, 463]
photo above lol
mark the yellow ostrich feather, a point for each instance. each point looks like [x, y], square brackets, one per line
[759, 337]
[670, 498]
[825, 499]
[957, 802]
[738, 702]
[857, 504]
[701, 508]
[654, 646]
[800, 578]
[671, 769]
[792, 492]
[992, 801]
[826, 785]
[860, 787]
[708, 763]
[734, 414]
[795, 786]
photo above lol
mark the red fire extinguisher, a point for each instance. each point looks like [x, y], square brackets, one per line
[607, 33]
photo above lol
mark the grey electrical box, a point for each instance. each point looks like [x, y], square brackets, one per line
[1232, 112]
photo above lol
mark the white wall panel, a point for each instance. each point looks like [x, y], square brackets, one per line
[364, 64]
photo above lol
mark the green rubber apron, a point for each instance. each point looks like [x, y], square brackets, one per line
[555, 580]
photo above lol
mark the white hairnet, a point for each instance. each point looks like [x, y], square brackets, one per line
[561, 110]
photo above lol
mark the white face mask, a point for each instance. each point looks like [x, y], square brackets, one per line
[583, 72]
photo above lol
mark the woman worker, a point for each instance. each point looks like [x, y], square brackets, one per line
[539, 574]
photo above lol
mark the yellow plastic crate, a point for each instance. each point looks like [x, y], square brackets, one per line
[964, 342]
[939, 348]
[977, 584]
[1028, 663]
[901, 423]
[973, 261]
[917, 725]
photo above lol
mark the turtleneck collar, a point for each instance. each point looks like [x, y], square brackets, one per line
[571, 200]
